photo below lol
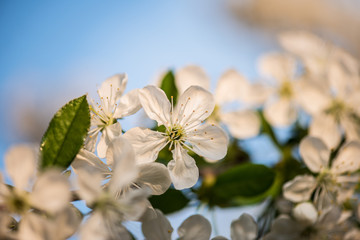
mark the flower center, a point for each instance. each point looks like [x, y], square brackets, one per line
[286, 90]
[18, 203]
[336, 108]
[175, 133]
[326, 178]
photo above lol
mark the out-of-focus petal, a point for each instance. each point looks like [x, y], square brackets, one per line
[208, 141]
[325, 127]
[108, 134]
[121, 156]
[242, 124]
[348, 159]
[306, 213]
[88, 161]
[134, 204]
[244, 228]
[300, 188]
[89, 186]
[154, 176]
[280, 112]
[183, 170]
[230, 87]
[20, 163]
[280, 67]
[155, 104]
[157, 228]
[311, 98]
[195, 227]
[51, 192]
[191, 75]
[314, 153]
[193, 106]
[350, 123]
[34, 227]
[128, 104]
[146, 143]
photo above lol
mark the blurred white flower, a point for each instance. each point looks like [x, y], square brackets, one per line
[334, 183]
[280, 109]
[49, 196]
[152, 175]
[231, 87]
[110, 209]
[184, 130]
[112, 107]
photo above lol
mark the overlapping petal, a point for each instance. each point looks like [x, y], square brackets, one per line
[183, 170]
[348, 159]
[300, 188]
[154, 176]
[195, 227]
[325, 127]
[191, 75]
[146, 143]
[314, 153]
[280, 112]
[155, 104]
[244, 228]
[128, 104]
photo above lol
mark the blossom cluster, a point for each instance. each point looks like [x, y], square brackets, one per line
[313, 189]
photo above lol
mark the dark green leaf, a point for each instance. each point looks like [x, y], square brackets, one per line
[169, 86]
[65, 134]
[171, 201]
[246, 180]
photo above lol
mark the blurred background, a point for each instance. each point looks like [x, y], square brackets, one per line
[54, 51]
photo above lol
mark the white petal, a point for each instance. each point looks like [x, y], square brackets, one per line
[134, 204]
[128, 104]
[108, 134]
[303, 43]
[97, 227]
[311, 98]
[91, 140]
[325, 127]
[195, 227]
[122, 158]
[280, 113]
[89, 186]
[68, 221]
[193, 106]
[157, 228]
[208, 141]
[230, 87]
[34, 227]
[242, 124]
[156, 104]
[51, 192]
[183, 170]
[284, 228]
[348, 159]
[154, 176]
[280, 67]
[146, 143]
[329, 216]
[314, 153]
[88, 161]
[306, 212]
[20, 162]
[244, 228]
[300, 188]
[112, 88]
[191, 76]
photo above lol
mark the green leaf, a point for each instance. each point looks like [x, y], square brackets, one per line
[171, 201]
[65, 134]
[245, 181]
[169, 86]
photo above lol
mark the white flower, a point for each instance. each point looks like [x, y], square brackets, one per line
[231, 87]
[110, 209]
[112, 107]
[280, 108]
[50, 192]
[334, 183]
[184, 130]
[151, 175]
